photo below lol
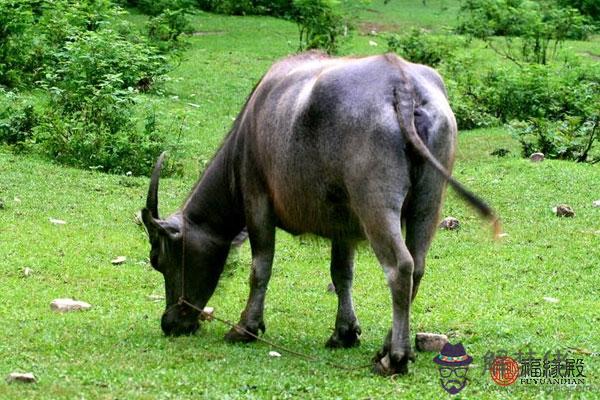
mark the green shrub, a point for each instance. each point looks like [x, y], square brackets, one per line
[540, 26]
[18, 118]
[420, 47]
[279, 8]
[166, 28]
[321, 25]
[486, 98]
[573, 138]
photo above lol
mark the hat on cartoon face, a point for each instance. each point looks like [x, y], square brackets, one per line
[453, 355]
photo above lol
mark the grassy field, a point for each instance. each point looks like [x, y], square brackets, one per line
[488, 295]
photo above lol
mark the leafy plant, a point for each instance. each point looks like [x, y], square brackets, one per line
[321, 25]
[420, 47]
[18, 118]
[573, 138]
[166, 28]
[532, 31]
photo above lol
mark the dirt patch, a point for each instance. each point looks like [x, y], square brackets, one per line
[592, 55]
[366, 28]
[208, 33]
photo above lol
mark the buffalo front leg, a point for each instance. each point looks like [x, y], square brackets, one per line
[393, 255]
[261, 231]
[347, 330]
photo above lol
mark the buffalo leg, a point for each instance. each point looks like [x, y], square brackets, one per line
[261, 231]
[385, 236]
[347, 329]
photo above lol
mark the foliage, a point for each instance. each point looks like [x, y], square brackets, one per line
[166, 28]
[423, 48]
[573, 138]
[321, 25]
[90, 122]
[18, 117]
[249, 7]
[532, 30]
[590, 8]
[486, 98]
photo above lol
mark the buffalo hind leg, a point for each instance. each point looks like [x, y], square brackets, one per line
[385, 235]
[347, 330]
[261, 231]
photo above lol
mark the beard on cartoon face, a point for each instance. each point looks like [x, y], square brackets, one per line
[453, 386]
[453, 379]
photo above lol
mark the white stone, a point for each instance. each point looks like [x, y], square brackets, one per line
[596, 203]
[27, 377]
[57, 221]
[433, 342]
[66, 305]
[551, 299]
[274, 354]
[536, 157]
[27, 271]
[450, 223]
[207, 314]
[372, 43]
[119, 260]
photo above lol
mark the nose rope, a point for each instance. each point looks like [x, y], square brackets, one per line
[240, 329]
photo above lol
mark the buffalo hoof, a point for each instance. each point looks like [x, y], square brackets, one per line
[237, 335]
[387, 365]
[344, 337]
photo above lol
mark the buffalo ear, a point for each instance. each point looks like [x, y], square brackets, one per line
[156, 228]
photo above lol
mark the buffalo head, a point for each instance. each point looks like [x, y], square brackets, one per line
[190, 270]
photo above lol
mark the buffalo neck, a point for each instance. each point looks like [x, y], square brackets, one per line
[215, 204]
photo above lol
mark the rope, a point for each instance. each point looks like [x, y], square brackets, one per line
[241, 329]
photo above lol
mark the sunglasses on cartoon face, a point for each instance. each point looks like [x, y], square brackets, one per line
[446, 372]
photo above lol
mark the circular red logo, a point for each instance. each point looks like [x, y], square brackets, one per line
[504, 371]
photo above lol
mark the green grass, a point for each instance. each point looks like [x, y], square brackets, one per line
[486, 294]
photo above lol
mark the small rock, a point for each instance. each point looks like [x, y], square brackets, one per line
[536, 157]
[156, 297]
[595, 203]
[21, 377]
[430, 341]
[503, 234]
[119, 260]
[27, 271]
[274, 354]
[373, 33]
[137, 218]
[129, 173]
[331, 287]
[207, 314]
[450, 223]
[372, 43]
[66, 305]
[551, 299]
[564, 210]
[57, 221]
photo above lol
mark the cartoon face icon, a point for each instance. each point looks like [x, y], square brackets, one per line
[453, 363]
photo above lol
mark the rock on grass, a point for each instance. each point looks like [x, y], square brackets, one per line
[27, 377]
[430, 341]
[66, 305]
[564, 210]
[450, 223]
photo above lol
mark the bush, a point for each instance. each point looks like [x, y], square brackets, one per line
[18, 118]
[279, 8]
[485, 98]
[420, 47]
[166, 28]
[540, 27]
[321, 25]
[571, 139]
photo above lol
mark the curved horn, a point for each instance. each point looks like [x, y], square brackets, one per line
[152, 199]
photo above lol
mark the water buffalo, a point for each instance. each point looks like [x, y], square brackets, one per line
[344, 148]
